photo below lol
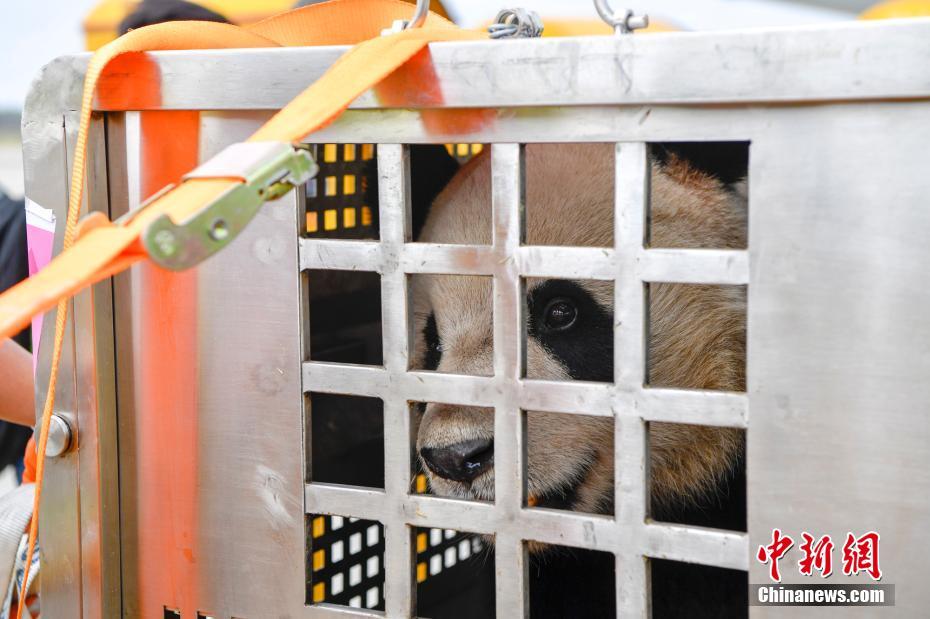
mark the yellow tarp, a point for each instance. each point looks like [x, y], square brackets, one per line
[101, 24]
[566, 27]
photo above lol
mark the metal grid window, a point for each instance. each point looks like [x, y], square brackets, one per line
[629, 534]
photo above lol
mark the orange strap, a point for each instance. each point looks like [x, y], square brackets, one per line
[107, 249]
[99, 249]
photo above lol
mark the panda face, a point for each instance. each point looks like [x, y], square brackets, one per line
[696, 332]
[569, 337]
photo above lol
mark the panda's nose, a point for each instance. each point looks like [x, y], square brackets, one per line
[462, 461]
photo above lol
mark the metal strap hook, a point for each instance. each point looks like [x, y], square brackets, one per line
[516, 24]
[419, 15]
[623, 21]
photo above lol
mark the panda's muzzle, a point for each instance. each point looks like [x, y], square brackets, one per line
[461, 462]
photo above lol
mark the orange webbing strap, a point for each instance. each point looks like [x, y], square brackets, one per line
[99, 248]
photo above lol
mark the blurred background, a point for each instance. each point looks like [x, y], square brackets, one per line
[34, 32]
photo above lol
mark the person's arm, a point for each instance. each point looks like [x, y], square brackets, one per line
[17, 395]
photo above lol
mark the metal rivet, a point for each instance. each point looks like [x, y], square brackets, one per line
[166, 242]
[219, 230]
[59, 437]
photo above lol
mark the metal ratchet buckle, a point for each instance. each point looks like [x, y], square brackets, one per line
[269, 169]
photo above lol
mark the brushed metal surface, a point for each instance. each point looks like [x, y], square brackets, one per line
[836, 61]
[631, 205]
[98, 461]
[839, 336]
[49, 134]
[248, 448]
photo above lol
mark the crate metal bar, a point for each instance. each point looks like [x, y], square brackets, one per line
[655, 122]
[709, 408]
[631, 200]
[592, 531]
[340, 255]
[748, 66]
[567, 262]
[691, 544]
[694, 266]
[417, 386]
[433, 258]
[363, 380]
[714, 408]
[394, 190]
[340, 500]
[334, 611]
[507, 205]
[570, 397]
[685, 266]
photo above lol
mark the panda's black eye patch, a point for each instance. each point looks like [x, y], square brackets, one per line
[433, 345]
[564, 317]
[560, 314]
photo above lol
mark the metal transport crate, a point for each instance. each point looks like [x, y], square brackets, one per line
[194, 490]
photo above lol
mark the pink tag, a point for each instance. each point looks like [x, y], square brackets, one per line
[40, 239]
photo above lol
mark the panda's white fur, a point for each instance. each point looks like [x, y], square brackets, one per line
[697, 337]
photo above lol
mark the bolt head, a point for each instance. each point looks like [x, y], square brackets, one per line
[637, 22]
[59, 437]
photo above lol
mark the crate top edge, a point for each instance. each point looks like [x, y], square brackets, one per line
[837, 62]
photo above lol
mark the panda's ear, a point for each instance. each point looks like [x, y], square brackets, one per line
[728, 162]
[431, 169]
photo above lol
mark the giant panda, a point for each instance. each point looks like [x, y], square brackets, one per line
[696, 340]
